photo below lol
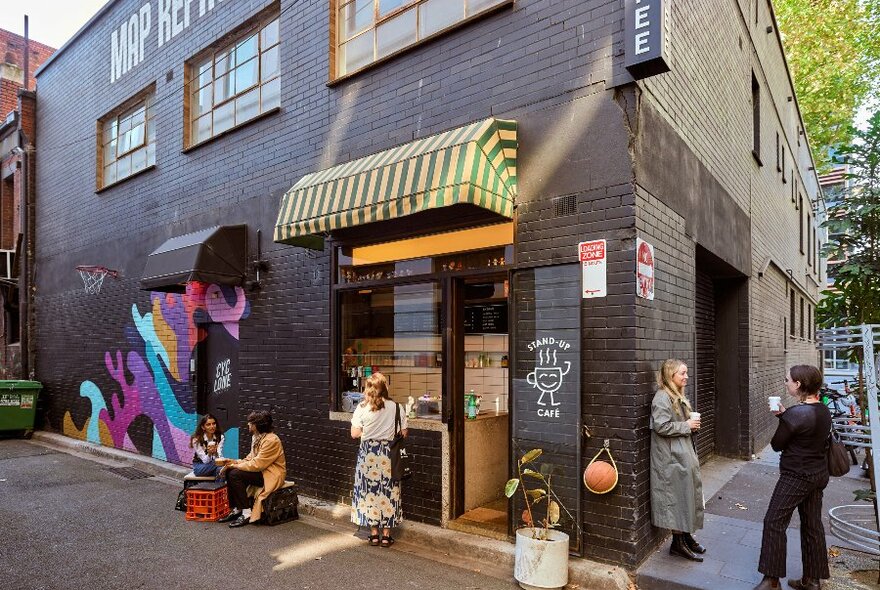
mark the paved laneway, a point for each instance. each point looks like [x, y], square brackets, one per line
[69, 522]
[733, 529]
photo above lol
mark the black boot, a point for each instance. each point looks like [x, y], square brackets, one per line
[693, 544]
[679, 547]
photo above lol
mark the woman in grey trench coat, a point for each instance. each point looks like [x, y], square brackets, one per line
[676, 485]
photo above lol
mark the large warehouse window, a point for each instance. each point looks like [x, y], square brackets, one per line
[233, 83]
[369, 30]
[127, 141]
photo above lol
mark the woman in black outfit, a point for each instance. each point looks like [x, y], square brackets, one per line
[802, 436]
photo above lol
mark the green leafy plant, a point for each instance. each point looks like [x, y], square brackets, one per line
[854, 236]
[866, 495]
[542, 493]
[833, 51]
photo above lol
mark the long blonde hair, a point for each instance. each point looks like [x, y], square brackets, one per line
[665, 382]
[375, 391]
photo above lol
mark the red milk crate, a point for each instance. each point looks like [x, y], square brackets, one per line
[207, 501]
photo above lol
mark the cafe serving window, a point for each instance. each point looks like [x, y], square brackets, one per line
[369, 30]
[390, 315]
[395, 330]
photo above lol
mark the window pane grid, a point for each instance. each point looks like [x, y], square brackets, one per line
[393, 25]
[228, 86]
[128, 142]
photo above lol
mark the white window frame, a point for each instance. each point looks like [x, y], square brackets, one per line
[118, 160]
[340, 36]
[206, 70]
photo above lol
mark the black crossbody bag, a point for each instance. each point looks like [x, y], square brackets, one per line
[401, 460]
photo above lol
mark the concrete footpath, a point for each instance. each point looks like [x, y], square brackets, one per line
[734, 525]
[445, 545]
[737, 494]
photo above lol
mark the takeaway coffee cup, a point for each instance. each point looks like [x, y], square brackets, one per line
[695, 415]
[774, 401]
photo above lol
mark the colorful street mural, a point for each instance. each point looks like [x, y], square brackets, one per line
[160, 388]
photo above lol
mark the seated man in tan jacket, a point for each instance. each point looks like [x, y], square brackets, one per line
[264, 467]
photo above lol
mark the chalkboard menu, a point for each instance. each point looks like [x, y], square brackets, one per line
[485, 318]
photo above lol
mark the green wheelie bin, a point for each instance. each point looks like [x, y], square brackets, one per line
[18, 405]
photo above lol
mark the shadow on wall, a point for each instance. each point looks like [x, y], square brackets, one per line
[161, 389]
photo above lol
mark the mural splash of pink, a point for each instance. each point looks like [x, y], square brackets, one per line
[159, 380]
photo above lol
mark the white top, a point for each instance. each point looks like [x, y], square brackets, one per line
[200, 448]
[377, 425]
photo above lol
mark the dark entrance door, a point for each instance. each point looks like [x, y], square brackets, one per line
[704, 320]
[217, 375]
[480, 382]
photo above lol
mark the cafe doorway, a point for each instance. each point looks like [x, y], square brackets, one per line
[480, 383]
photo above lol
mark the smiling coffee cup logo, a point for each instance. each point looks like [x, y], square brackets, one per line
[549, 372]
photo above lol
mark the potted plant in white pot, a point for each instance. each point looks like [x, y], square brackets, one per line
[541, 551]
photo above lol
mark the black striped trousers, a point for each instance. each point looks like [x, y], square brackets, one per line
[803, 492]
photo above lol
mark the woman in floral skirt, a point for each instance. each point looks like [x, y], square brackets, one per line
[376, 500]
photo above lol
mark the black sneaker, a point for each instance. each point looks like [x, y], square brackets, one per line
[240, 521]
[229, 517]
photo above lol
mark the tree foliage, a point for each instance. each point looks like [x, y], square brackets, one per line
[833, 50]
[854, 236]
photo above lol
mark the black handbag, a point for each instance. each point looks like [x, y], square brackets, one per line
[838, 461]
[181, 501]
[401, 460]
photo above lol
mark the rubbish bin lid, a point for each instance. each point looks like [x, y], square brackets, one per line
[19, 384]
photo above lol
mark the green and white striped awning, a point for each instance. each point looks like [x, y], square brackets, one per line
[474, 164]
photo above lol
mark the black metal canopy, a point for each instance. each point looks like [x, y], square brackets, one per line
[214, 255]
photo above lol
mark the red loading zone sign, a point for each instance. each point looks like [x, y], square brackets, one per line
[644, 269]
[594, 263]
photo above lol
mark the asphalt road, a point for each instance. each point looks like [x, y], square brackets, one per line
[69, 522]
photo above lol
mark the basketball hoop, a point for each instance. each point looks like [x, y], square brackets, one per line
[93, 277]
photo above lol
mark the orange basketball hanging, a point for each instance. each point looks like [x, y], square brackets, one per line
[600, 477]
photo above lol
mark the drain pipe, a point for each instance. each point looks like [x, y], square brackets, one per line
[24, 293]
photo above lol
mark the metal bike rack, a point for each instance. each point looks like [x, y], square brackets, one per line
[857, 523]
[853, 433]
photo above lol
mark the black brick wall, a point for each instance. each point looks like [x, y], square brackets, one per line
[534, 62]
[545, 64]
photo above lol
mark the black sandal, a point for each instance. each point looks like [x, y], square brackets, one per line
[387, 541]
[374, 540]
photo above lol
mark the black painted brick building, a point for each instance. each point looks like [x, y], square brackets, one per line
[667, 159]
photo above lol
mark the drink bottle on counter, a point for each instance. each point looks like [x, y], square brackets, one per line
[471, 405]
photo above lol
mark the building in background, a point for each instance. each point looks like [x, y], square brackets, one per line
[17, 136]
[836, 364]
[514, 209]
